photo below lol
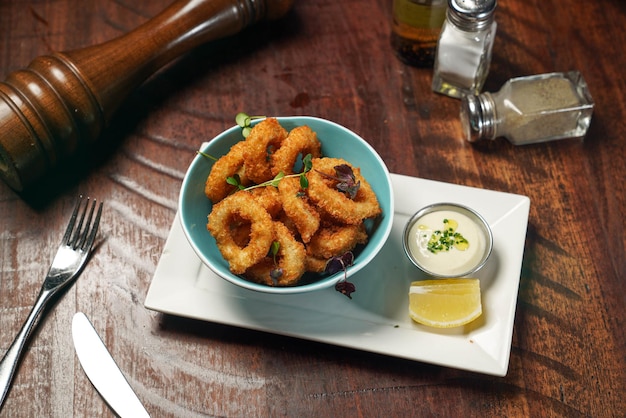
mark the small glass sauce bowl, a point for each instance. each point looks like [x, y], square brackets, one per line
[447, 240]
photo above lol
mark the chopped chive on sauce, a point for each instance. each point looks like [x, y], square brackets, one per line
[446, 238]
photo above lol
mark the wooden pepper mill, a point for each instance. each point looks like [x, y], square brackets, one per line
[66, 99]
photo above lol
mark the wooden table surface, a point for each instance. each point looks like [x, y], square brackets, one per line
[329, 59]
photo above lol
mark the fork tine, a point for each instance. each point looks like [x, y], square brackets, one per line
[87, 233]
[76, 235]
[83, 235]
[94, 228]
[70, 226]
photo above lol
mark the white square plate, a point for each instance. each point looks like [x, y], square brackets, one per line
[376, 319]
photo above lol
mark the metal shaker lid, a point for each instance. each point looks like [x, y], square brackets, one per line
[471, 15]
[478, 117]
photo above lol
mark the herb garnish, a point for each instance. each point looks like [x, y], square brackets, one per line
[346, 181]
[448, 238]
[205, 155]
[277, 272]
[245, 122]
[338, 263]
[304, 182]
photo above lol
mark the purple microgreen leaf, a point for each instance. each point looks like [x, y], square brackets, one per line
[345, 288]
[349, 189]
[334, 265]
[346, 181]
[276, 274]
[344, 173]
[338, 263]
[348, 259]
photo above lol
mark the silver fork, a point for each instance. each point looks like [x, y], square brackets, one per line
[67, 265]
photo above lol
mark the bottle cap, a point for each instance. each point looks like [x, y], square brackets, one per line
[477, 117]
[471, 15]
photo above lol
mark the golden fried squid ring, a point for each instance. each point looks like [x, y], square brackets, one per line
[314, 264]
[231, 211]
[264, 137]
[324, 193]
[240, 231]
[300, 142]
[297, 208]
[336, 240]
[216, 188]
[290, 259]
[269, 198]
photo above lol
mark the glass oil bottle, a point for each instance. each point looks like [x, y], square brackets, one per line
[415, 30]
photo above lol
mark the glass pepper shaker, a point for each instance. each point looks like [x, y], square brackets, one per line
[530, 109]
[464, 48]
[415, 30]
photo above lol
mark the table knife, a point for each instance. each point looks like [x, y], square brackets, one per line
[102, 370]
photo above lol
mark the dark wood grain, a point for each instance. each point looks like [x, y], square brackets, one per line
[329, 59]
[63, 100]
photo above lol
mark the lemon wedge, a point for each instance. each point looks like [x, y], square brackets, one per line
[445, 303]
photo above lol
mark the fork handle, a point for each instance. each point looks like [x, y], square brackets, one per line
[12, 357]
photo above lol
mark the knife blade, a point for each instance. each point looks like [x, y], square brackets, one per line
[102, 370]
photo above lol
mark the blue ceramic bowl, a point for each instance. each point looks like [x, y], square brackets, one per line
[336, 141]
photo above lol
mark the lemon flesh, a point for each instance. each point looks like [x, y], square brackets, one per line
[445, 303]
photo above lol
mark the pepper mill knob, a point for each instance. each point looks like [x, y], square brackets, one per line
[64, 100]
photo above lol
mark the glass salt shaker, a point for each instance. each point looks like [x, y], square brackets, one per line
[416, 26]
[464, 48]
[530, 109]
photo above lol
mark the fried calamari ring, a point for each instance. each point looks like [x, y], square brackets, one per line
[297, 208]
[269, 198]
[314, 264]
[264, 137]
[334, 240]
[240, 231]
[324, 193]
[290, 259]
[235, 208]
[216, 188]
[285, 220]
[261, 272]
[300, 142]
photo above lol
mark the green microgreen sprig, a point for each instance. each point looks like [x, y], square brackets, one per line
[205, 155]
[277, 272]
[245, 122]
[307, 164]
[446, 239]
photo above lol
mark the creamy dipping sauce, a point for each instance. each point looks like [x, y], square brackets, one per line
[446, 243]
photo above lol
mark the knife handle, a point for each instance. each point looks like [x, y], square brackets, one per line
[64, 100]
